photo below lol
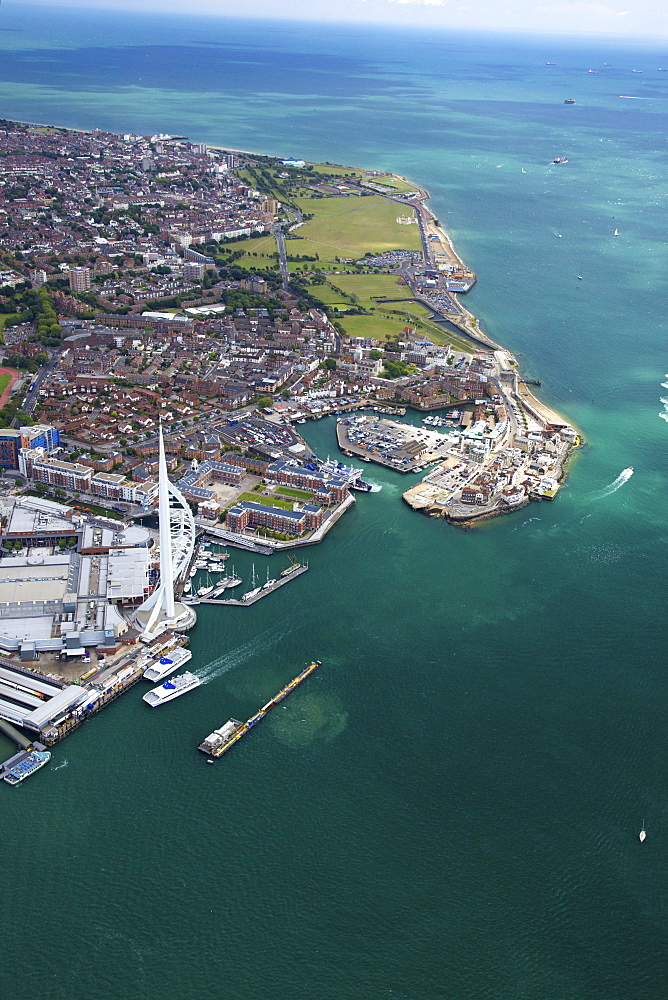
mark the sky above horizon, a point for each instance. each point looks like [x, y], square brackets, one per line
[622, 19]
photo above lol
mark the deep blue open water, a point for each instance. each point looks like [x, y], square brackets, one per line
[449, 807]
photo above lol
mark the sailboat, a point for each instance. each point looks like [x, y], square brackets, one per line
[642, 834]
[204, 591]
[254, 587]
[269, 583]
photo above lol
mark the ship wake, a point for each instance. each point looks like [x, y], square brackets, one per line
[617, 484]
[664, 400]
[265, 641]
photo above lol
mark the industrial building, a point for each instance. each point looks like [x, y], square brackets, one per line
[62, 593]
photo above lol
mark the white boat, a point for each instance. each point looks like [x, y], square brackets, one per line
[616, 232]
[192, 570]
[206, 590]
[254, 588]
[166, 665]
[172, 689]
[643, 833]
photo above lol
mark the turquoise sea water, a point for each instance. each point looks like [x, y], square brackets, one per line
[449, 807]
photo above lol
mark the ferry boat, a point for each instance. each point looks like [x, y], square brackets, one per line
[166, 665]
[19, 772]
[172, 689]
[348, 473]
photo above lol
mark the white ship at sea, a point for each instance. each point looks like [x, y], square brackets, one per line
[172, 689]
[167, 664]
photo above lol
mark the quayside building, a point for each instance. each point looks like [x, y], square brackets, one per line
[72, 583]
[69, 586]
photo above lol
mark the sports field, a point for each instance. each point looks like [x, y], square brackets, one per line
[7, 378]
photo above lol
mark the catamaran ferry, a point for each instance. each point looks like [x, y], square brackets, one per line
[166, 665]
[172, 689]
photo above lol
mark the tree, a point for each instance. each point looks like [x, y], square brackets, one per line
[330, 364]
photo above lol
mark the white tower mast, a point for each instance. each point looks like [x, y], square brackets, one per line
[166, 577]
[164, 597]
[176, 534]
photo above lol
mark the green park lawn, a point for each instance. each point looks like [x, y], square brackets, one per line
[392, 184]
[297, 494]
[270, 501]
[333, 170]
[351, 225]
[261, 244]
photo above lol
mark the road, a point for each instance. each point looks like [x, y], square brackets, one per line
[44, 372]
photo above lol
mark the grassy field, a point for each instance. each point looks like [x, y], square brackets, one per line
[351, 225]
[260, 263]
[5, 378]
[376, 326]
[367, 286]
[270, 501]
[392, 184]
[297, 494]
[334, 170]
[262, 244]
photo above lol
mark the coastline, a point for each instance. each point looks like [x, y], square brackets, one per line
[510, 404]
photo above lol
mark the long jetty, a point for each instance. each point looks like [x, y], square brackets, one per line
[220, 741]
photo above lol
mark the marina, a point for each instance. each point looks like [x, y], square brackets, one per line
[221, 740]
[256, 593]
